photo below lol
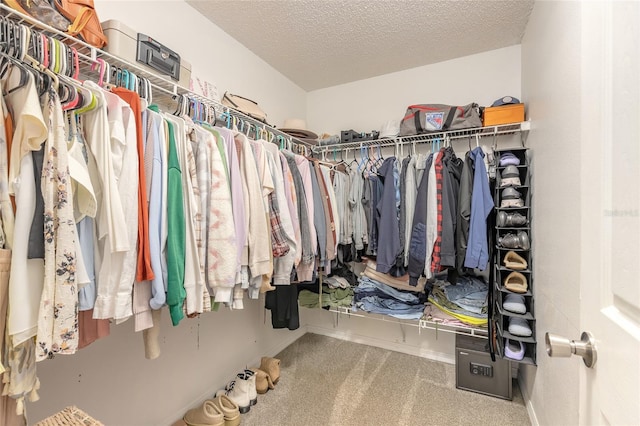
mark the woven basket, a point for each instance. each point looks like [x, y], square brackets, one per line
[70, 416]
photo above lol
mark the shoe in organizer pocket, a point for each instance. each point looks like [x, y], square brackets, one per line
[515, 241]
[510, 176]
[514, 303]
[514, 349]
[519, 327]
[510, 220]
[516, 282]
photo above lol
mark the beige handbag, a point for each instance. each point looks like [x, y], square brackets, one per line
[244, 105]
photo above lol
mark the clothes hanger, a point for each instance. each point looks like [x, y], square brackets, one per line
[52, 80]
[8, 65]
[354, 160]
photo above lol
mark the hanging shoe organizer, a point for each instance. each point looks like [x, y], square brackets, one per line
[517, 330]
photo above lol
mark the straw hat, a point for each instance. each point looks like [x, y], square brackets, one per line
[298, 129]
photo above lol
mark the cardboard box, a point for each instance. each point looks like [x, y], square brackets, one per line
[123, 42]
[504, 114]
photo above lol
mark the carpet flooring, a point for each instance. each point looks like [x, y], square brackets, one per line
[326, 381]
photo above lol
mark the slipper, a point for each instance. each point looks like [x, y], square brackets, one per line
[513, 260]
[519, 327]
[514, 303]
[507, 158]
[516, 282]
[513, 349]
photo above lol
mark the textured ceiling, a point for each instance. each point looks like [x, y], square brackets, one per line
[322, 43]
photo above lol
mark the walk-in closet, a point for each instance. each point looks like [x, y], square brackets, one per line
[319, 212]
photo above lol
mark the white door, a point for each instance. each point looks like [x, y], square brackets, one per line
[610, 211]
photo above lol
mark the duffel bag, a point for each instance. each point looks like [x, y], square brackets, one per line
[427, 118]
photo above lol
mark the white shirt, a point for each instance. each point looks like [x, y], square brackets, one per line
[30, 133]
[432, 215]
[117, 265]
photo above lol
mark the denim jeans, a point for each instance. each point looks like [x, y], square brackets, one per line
[366, 284]
[390, 307]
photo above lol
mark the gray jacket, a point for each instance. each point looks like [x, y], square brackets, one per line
[388, 232]
[418, 244]
[319, 219]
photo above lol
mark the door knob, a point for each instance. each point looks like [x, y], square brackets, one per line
[558, 346]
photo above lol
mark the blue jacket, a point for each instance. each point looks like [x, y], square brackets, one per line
[481, 205]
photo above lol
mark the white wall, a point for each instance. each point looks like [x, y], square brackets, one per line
[366, 105]
[111, 379]
[552, 87]
[214, 55]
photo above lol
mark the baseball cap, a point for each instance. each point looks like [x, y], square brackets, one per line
[505, 100]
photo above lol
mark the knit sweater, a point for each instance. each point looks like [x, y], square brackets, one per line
[176, 234]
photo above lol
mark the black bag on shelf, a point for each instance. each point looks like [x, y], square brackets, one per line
[426, 118]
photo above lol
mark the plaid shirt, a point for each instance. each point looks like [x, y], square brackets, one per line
[435, 259]
[279, 246]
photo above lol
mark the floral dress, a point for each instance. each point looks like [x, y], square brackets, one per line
[58, 317]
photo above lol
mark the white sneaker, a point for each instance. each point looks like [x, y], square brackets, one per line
[238, 391]
[253, 393]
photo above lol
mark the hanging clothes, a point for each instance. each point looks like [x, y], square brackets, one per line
[222, 253]
[389, 230]
[304, 269]
[452, 170]
[418, 241]
[477, 255]
[360, 234]
[257, 251]
[176, 230]
[155, 148]
[464, 211]
[57, 318]
[283, 265]
[29, 133]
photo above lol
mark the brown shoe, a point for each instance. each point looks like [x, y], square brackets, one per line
[271, 366]
[263, 381]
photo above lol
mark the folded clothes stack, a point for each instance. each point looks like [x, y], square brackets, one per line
[400, 283]
[379, 298]
[466, 300]
[331, 297]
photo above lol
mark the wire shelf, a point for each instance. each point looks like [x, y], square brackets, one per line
[422, 324]
[482, 132]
